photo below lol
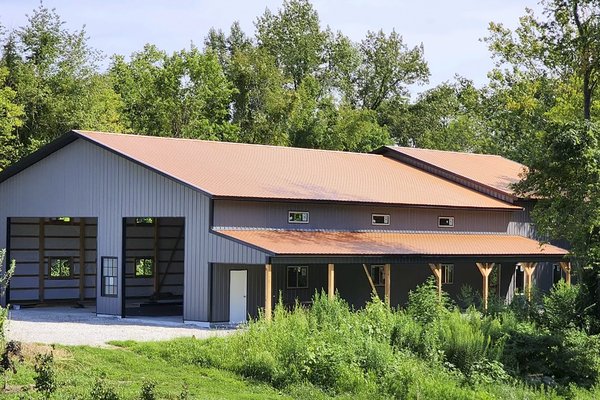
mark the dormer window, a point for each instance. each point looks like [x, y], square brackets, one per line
[298, 217]
[446, 222]
[380, 219]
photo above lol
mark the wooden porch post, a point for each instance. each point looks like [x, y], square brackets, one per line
[81, 259]
[268, 291]
[330, 281]
[437, 271]
[387, 282]
[42, 260]
[528, 268]
[485, 269]
[566, 266]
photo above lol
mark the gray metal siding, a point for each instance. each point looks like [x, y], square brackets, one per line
[84, 180]
[220, 290]
[231, 213]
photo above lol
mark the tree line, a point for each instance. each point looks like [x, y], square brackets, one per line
[293, 82]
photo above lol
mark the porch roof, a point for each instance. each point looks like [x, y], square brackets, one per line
[389, 243]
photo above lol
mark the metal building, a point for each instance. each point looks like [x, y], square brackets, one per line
[216, 231]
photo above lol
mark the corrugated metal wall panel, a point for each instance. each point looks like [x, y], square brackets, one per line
[230, 213]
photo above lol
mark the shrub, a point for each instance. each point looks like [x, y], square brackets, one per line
[424, 304]
[45, 379]
[101, 391]
[147, 391]
[577, 359]
[561, 307]
[487, 372]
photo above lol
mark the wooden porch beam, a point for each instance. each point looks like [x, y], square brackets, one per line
[268, 291]
[437, 272]
[486, 270]
[529, 269]
[373, 289]
[331, 281]
[387, 282]
[566, 266]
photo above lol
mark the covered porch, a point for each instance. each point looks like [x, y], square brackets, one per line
[357, 264]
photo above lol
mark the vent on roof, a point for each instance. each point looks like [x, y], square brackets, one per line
[380, 219]
[446, 222]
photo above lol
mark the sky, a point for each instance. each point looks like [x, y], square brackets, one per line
[450, 30]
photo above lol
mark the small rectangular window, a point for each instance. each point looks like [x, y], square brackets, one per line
[144, 267]
[109, 277]
[297, 277]
[447, 273]
[60, 268]
[519, 279]
[446, 222]
[298, 217]
[380, 219]
[378, 275]
[144, 221]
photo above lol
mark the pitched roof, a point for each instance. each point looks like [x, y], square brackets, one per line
[491, 171]
[288, 242]
[233, 170]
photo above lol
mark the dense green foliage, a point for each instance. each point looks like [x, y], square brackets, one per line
[331, 350]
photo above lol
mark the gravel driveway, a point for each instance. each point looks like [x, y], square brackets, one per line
[72, 326]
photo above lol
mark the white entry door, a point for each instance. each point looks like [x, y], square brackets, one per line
[237, 296]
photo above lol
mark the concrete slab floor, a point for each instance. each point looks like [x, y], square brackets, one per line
[81, 326]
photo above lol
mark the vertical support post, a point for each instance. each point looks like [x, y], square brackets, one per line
[387, 282]
[81, 259]
[437, 272]
[42, 259]
[486, 270]
[156, 265]
[330, 281]
[566, 266]
[268, 291]
[529, 269]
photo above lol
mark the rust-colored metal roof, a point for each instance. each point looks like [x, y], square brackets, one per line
[488, 170]
[233, 170]
[288, 242]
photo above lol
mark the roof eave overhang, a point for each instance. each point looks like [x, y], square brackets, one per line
[411, 258]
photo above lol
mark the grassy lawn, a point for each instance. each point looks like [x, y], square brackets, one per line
[77, 369]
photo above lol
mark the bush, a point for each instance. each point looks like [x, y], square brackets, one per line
[45, 379]
[101, 391]
[147, 391]
[577, 359]
[561, 307]
[424, 304]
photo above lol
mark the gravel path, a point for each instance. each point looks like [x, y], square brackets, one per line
[71, 326]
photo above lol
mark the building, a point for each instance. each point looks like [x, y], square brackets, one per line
[215, 231]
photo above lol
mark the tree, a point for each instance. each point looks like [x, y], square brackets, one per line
[294, 38]
[387, 66]
[182, 95]
[54, 74]
[11, 117]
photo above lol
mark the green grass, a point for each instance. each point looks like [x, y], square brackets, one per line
[77, 369]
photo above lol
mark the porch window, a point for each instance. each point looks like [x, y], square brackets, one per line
[556, 273]
[378, 275]
[519, 279]
[297, 277]
[109, 277]
[144, 267]
[298, 217]
[60, 268]
[447, 273]
[380, 219]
